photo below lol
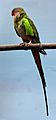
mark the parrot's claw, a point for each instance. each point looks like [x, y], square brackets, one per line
[24, 44]
[29, 42]
[21, 44]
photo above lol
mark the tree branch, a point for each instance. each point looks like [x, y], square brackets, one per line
[27, 47]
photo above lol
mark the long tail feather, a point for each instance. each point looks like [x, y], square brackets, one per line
[36, 56]
[46, 100]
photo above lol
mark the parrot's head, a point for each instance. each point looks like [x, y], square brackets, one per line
[18, 11]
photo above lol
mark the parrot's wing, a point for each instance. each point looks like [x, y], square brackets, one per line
[30, 28]
[36, 34]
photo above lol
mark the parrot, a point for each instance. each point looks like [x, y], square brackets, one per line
[25, 28]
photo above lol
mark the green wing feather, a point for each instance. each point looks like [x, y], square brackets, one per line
[30, 29]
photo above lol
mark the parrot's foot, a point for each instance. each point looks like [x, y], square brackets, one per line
[21, 44]
[24, 44]
[29, 42]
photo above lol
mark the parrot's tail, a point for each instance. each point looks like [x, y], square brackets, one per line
[37, 59]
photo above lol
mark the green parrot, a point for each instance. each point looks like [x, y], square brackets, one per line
[26, 29]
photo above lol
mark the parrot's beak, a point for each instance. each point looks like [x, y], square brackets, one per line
[15, 13]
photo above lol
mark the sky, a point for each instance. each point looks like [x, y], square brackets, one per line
[21, 93]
